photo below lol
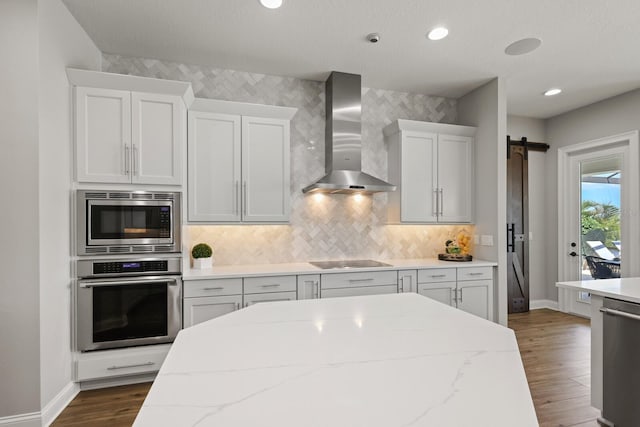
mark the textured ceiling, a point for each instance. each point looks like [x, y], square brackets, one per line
[590, 47]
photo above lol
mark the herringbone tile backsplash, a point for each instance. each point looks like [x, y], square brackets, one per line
[322, 227]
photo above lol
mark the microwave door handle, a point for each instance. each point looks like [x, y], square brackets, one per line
[116, 282]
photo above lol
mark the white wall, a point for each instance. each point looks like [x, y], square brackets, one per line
[62, 43]
[605, 118]
[485, 108]
[533, 130]
[19, 255]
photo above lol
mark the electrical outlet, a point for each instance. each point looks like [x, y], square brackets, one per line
[486, 240]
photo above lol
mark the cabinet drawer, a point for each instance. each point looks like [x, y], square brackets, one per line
[437, 275]
[212, 287]
[259, 285]
[359, 290]
[475, 273]
[269, 297]
[115, 363]
[347, 280]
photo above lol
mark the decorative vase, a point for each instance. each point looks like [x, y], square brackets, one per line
[202, 263]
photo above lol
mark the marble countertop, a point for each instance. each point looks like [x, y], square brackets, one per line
[248, 270]
[368, 361]
[626, 289]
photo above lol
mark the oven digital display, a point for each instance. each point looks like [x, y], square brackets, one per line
[130, 265]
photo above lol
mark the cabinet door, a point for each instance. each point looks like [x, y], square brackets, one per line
[157, 138]
[265, 169]
[198, 310]
[309, 286]
[418, 189]
[103, 135]
[214, 167]
[445, 292]
[269, 297]
[407, 281]
[473, 297]
[357, 291]
[454, 178]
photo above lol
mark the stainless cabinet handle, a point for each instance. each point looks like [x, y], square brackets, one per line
[454, 296]
[126, 159]
[435, 276]
[218, 288]
[361, 280]
[460, 296]
[434, 211]
[475, 274]
[236, 209]
[95, 283]
[317, 289]
[237, 306]
[619, 313]
[244, 185]
[273, 285]
[401, 285]
[135, 160]
[441, 204]
[137, 365]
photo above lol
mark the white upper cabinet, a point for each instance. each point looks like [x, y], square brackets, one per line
[238, 162]
[103, 135]
[432, 166]
[124, 135]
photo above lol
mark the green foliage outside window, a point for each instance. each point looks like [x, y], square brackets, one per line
[601, 216]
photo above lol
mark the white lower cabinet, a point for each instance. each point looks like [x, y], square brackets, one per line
[407, 281]
[359, 290]
[309, 286]
[120, 362]
[269, 289]
[469, 289]
[209, 298]
[251, 299]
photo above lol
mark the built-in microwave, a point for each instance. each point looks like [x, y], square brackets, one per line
[125, 222]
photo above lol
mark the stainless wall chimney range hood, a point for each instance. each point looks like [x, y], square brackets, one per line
[343, 141]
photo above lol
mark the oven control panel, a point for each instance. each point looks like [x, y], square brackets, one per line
[128, 267]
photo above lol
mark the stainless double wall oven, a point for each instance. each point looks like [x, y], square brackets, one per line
[128, 289]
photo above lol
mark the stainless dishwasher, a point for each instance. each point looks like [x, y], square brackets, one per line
[621, 360]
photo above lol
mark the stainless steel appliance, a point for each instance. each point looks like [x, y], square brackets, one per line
[621, 353]
[348, 263]
[124, 303]
[116, 222]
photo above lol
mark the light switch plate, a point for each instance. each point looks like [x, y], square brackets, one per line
[486, 240]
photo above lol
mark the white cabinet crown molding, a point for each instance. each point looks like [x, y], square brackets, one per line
[242, 109]
[98, 79]
[419, 126]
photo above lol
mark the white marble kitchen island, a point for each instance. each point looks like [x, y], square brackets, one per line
[384, 360]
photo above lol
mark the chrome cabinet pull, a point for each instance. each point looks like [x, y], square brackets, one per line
[619, 313]
[460, 296]
[441, 204]
[454, 296]
[126, 159]
[434, 211]
[401, 285]
[237, 306]
[475, 274]
[317, 289]
[361, 280]
[236, 209]
[435, 276]
[137, 365]
[135, 160]
[273, 285]
[218, 288]
[244, 192]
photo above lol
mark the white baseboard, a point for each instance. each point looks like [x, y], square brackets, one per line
[52, 409]
[543, 303]
[31, 419]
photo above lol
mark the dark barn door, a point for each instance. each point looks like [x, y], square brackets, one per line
[517, 230]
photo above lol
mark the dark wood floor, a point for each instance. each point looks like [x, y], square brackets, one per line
[554, 348]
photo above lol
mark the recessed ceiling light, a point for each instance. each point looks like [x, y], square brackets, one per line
[523, 46]
[271, 4]
[552, 92]
[438, 33]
